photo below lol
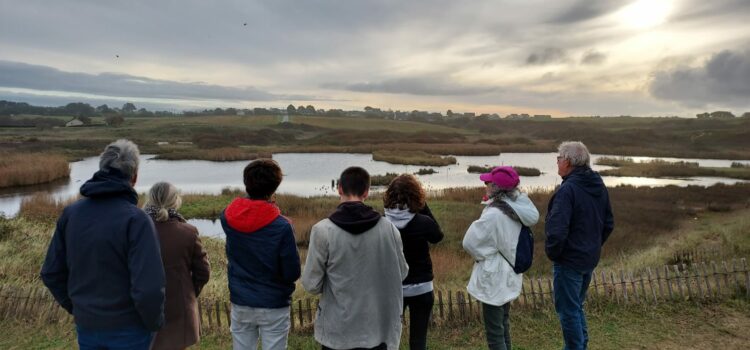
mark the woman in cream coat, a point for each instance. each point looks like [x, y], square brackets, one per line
[491, 240]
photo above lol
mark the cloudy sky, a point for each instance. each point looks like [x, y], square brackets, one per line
[565, 57]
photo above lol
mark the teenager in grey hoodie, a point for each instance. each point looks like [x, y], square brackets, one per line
[355, 261]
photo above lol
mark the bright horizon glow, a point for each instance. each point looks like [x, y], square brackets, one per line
[645, 14]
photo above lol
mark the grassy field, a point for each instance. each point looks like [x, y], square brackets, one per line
[682, 325]
[726, 139]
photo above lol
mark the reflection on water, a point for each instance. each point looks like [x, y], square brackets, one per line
[310, 174]
[209, 228]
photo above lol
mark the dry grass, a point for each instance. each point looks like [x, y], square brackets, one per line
[660, 168]
[43, 207]
[20, 169]
[412, 158]
[522, 171]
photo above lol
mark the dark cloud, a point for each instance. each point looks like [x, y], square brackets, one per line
[26, 76]
[593, 58]
[584, 10]
[549, 55]
[426, 85]
[724, 79]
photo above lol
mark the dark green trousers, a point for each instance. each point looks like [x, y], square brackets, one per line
[497, 326]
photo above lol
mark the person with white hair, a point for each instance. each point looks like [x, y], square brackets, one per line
[579, 220]
[103, 264]
[185, 264]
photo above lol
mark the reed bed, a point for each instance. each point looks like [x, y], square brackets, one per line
[522, 171]
[382, 180]
[224, 154]
[21, 169]
[413, 158]
[660, 168]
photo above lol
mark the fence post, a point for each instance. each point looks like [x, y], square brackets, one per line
[461, 305]
[669, 281]
[523, 293]
[218, 313]
[551, 291]
[651, 283]
[604, 284]
[624, 287]
[533, 294]
[717, 278]
[541, 290]
[735, 271]
[614, 286]
[309, 310]
[635, 289]
[299, 313]
[440, 304]
[291, 317]
[726, 277]
[679, 281]
[229, 314]
[747, 278]
[705, 279]
[596, 287]
[698, 281]
[450, 305]
[208, 314]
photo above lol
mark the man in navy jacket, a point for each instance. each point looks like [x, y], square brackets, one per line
[103, 264]
[579, 221]
[263, 262]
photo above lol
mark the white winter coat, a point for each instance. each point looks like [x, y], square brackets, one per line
[493, 280]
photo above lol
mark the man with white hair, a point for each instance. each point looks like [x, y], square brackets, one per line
[579, 221]
[103, 264]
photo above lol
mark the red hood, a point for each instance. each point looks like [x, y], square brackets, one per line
[249, 215]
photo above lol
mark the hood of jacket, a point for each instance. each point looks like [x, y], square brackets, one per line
[109, 183]
[355, 217]
[399, 217]
[249, 215]
[586, 179]
[524, 208]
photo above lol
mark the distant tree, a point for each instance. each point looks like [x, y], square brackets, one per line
[290, 109]
[79, 109]
[103, 109]
[128, 108]
[310, 109]
[85, 119]
[745, 115]
[114, 120]
[722, 115]
[449, 114]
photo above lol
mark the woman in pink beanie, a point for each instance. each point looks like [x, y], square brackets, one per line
[491, 240]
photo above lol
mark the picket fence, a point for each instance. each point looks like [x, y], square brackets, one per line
[698, 282]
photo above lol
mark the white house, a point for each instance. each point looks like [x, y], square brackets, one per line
[74, 122]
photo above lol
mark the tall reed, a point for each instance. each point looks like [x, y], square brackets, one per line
[20, 169]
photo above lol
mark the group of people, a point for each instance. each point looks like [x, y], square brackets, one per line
[131, 276]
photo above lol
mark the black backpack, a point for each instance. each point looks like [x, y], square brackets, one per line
[524, 251]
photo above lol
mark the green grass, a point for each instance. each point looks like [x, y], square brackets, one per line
[666, 326]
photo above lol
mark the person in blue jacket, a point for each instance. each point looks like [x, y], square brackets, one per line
[579, 221]
[103, 264]
[263, 262]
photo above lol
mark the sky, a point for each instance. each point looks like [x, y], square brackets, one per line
[563, 57]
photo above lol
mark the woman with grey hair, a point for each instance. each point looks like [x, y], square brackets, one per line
[185, 264]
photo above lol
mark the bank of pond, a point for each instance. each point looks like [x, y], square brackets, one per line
[314, 174]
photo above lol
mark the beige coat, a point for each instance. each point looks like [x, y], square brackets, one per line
[187, 271]
[359, 278]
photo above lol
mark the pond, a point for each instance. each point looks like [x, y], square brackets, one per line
[311, 174]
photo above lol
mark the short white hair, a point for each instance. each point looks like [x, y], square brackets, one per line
[121, 155]
[576, 152]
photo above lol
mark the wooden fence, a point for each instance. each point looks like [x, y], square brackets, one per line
[698, 282]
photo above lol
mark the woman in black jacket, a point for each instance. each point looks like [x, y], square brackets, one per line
[405, 207]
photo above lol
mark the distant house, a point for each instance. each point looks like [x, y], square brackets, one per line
[74, 122]
[240, 112]
[284, 118]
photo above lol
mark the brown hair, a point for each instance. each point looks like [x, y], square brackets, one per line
[404, 191]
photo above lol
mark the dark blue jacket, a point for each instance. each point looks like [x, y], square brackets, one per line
[579, 220]
[262, 257]
[103, 264]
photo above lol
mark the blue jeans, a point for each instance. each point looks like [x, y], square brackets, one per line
[121, 339]
[570, 287]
